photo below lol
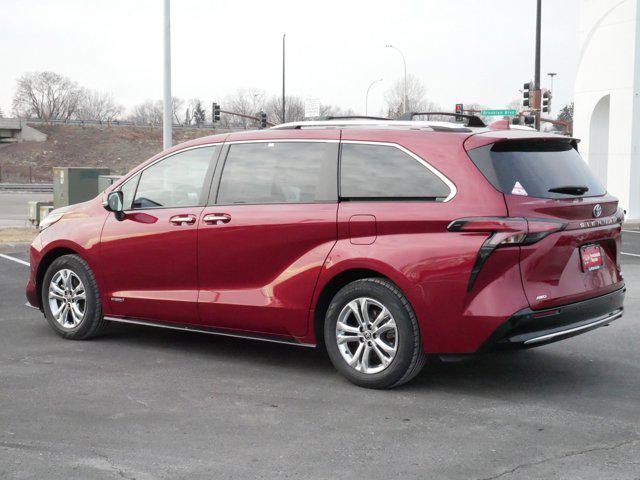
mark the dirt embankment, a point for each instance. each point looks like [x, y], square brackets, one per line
[119, 148]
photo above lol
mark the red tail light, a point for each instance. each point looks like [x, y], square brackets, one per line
[504, 232]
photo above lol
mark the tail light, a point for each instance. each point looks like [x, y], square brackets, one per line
[504, 232]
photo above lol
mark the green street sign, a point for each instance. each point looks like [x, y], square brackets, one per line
[498, 113]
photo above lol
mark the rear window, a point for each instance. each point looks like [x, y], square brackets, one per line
[534, 168]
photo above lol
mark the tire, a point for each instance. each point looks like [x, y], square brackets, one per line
[395, 354]
[83, 318]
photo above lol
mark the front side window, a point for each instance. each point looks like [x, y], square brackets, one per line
[176, 181]
[280, 172]
[128, 191]
[383, 172]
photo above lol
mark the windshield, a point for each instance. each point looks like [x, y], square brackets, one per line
[545, 169]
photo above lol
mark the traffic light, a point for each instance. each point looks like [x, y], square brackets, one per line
[546, 100]
[459, 110]
[529, 120]
[526, 93]
[215, 112]
[263, 120]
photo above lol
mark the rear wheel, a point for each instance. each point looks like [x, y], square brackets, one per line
[71, 299]
[372, 334]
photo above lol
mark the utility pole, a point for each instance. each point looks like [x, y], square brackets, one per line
[284, 37]
[167, 120]
[537, 103]
[404, 63]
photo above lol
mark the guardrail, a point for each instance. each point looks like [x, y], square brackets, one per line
[27, 187]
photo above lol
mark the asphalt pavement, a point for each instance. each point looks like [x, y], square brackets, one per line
[150, 403]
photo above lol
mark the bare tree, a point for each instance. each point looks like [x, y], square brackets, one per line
[246, 101]
[416, 97]
[98, 106]
[176, 106]
[334, 111]
[46, 95]
[294, 109]
[147, 113]
[1, 113]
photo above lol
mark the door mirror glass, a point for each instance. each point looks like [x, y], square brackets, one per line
[115, 202]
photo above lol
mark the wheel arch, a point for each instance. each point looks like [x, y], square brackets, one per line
[47, 259]
[332, 286]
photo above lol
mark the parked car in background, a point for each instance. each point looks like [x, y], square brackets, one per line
[385, 242]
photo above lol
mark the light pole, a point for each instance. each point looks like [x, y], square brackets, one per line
[366, 100]
[551, 75]
[284, 37]
[167, 114]
[404, 62]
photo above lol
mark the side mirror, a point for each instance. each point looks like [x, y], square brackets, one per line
[115, 204]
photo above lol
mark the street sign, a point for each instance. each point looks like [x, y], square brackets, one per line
[498, 113]
[312, 108]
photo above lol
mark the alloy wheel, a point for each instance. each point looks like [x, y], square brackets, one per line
[367, 335]
[67, 298]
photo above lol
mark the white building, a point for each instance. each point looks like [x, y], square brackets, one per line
[607, 96]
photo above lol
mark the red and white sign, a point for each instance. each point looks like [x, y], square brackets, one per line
[591, 256]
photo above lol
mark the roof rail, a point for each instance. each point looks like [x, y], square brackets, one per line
[354, 117]
[473, 120]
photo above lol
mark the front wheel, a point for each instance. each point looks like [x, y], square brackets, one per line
[71, 299]
[372, 334]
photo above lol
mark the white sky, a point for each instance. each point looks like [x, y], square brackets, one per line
[462, 50]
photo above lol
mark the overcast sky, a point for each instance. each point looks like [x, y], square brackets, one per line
[462, 50]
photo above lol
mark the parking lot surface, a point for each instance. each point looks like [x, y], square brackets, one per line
[149, 403]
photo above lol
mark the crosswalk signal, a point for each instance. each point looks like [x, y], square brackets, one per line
[460, 111]
[546, 101]
[263, 120]
[215, 112]
[526, 94]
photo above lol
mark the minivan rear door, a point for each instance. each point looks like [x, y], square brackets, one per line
[546, 178]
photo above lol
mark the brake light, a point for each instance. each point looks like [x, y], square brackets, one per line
[504, 232]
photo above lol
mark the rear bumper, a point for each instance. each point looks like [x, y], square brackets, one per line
[531, 328]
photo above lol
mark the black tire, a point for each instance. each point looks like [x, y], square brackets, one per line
[92, 322]
[409, 357]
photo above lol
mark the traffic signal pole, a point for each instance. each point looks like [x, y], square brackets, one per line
[537, 102]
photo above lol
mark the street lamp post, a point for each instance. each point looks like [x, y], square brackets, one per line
[167, 114]
[404, 62]
[366, 100]
[284, 39]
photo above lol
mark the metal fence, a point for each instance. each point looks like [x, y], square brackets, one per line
[25, 174]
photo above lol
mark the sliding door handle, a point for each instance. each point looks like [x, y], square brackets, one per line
[216, 218]
[183, 219]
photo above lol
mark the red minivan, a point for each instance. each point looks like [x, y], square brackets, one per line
[384, 241]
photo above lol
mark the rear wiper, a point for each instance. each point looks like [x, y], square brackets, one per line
[570, 189]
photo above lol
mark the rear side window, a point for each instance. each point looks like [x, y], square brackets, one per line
[535, 168]
[280, 172]
[385, 172]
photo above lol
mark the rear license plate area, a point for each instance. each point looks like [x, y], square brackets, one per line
[591, 258]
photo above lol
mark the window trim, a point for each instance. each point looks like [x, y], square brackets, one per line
[217, 180]
[452, 187]
[213, 162]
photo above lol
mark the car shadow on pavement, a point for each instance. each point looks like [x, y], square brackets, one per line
[545, 371]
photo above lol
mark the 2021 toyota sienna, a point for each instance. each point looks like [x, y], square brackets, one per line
[383, 241]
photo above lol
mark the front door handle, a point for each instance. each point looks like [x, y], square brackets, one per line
[216, 218]
[183, 219]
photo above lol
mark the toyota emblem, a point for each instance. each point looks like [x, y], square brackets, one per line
[597, 210]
